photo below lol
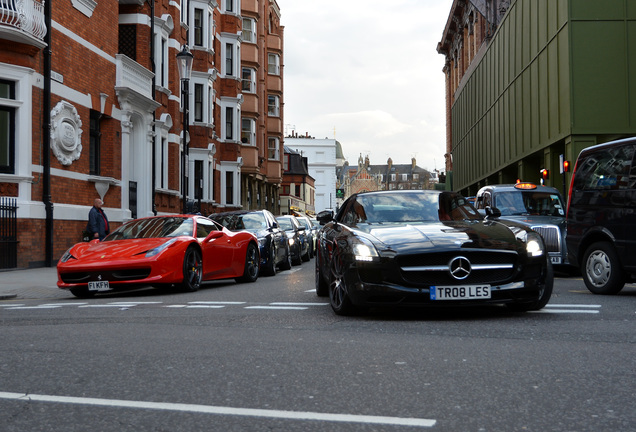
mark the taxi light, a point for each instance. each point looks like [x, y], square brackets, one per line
[526, 186]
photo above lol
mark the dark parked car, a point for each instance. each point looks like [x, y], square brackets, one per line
[601, 216]
[298, 243]
[272, 240]
[425, 247]
[310, 232]
[540, 207]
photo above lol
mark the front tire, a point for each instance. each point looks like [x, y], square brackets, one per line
[338, 296]
[601, 269]
[544, 295]
[322, 287]
[287, 263]
[192, 270]
[271, 261]
[250, 272]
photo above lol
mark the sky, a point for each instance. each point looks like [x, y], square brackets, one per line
[367, 73]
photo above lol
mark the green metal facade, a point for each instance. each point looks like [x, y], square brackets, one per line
[558, 76]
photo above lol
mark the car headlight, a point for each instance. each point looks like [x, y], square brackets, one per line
[67, 256]
[363, 250]
[533, 241]
[159, 249]
[291, 241]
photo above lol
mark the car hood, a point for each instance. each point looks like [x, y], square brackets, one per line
[117, 249]
[411, 238]
[532, 220]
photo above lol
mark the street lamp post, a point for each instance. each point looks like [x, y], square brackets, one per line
[184, 63]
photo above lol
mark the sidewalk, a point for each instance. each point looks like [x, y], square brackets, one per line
[30, 284]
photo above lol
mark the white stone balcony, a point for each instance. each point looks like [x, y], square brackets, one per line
[132, 76]
[23, 21]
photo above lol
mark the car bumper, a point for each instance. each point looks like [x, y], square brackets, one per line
[525, 287]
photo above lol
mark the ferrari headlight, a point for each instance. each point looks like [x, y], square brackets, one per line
[159, 249]
[364, 250]
[67, 256]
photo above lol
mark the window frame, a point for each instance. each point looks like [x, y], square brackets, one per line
[273, 68]
[11, 113]
[250, 32]
[251, 87]
[250, 131]
[273, 110]
[276, 149]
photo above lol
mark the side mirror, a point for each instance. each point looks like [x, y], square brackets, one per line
[492, 212]
[324, 217]
[214, 235]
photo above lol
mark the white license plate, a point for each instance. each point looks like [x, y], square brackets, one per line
[98, 286]
[555, 259]
[464, 292]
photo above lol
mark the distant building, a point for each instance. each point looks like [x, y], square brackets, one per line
[298, 190]
[322, 157]
[366, 177]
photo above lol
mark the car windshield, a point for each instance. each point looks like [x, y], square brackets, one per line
[285, 224]
[244, 221]
[409, 207]
[153, 228]
[529, 203]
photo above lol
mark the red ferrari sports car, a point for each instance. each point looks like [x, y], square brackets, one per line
[179, 250]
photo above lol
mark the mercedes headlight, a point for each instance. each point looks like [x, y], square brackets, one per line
[363, 250]
[533, 241]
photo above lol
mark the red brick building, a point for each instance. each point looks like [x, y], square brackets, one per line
[93, 107]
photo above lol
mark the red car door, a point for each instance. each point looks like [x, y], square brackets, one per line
[218, 249]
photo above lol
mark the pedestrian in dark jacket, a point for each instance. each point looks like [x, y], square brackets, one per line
[97, 221]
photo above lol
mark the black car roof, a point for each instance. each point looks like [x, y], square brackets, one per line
[511, 188]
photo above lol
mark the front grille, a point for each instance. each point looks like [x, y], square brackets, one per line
[112, 276]
[490, 267]
[551, 236]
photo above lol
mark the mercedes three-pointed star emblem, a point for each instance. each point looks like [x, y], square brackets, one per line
[459, 267]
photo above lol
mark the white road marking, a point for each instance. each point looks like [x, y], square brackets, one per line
[218, 302]
[220, 410]
[34, 307]
[297, 304]
[569, 309]
[277, 307]
[566, 311]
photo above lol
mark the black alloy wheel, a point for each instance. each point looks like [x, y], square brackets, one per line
[252, 265]
[287, 262]
[338, 296]
[192, 269]
[270, 269]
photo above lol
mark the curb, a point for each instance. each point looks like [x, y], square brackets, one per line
[7, 296]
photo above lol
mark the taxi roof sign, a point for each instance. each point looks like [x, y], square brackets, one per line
[526, 186]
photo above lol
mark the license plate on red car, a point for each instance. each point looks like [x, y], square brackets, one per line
[463, 292]
[99, 286]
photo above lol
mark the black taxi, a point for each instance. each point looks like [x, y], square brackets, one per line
[537, 206]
